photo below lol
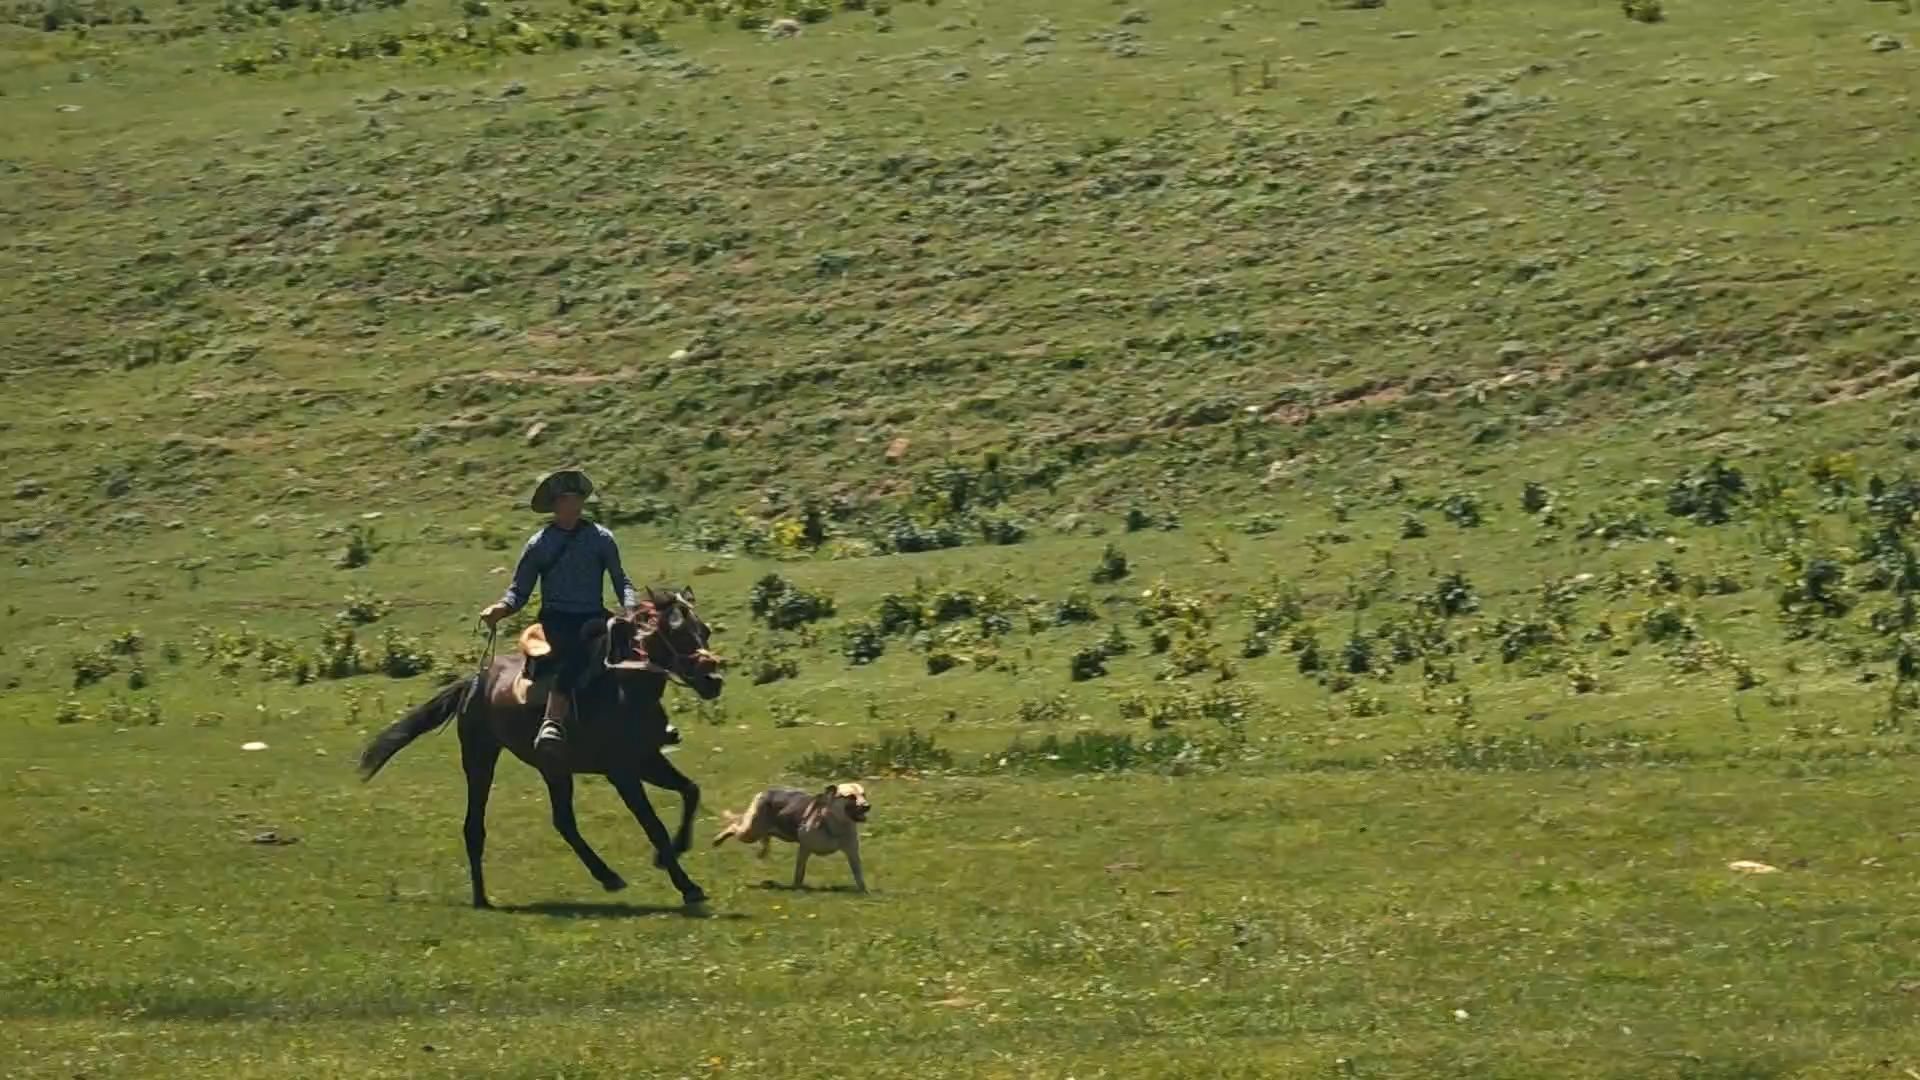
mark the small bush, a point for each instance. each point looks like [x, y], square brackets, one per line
[1530, 638]
[1363, 704]
[402, 657]
[896, 614]
[363, 608]
[1088, 663]
[784, 606]
[1112, 567]
[1643, 11]
[895, 754]
[1162, 603]
[1412, 528]
[1309, 660]
[1054, 709]
[1357, 656]
[942, 660]
[358, 550]
[788, 715]
[1227, 706]
[906, 536]
[338, 657]
[1613, 524]
[774, 665]
[1534, 497]
[1139, 520]
[1002, 531]
[127, 642]
[91, 667]
[1452, 595]
[1275, 606]
[1707, 495]
[862, 643]
[1813, 589]
[1193, 651]
[1668, 622]
[929, 607]
[1463, 509]
[1115, 643]
[1076, 608]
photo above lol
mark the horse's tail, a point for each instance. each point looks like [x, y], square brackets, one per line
[444, 706]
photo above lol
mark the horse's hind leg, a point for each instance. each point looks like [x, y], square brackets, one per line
[479, 753]
[659, 772]
[560, 793]
[634, 794]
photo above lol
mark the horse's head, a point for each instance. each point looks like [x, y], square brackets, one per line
[666, 635]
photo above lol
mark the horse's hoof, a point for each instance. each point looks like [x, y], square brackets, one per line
[614, 884]
[696, 902]
[481, 903]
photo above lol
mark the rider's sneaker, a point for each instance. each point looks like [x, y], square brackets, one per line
[550, 739]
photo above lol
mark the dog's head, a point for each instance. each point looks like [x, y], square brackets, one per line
[848, 799]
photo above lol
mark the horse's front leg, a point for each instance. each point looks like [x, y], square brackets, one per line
[657, 770]
[634, 794]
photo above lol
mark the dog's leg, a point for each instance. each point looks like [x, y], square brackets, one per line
[852, 849]
[800, 868]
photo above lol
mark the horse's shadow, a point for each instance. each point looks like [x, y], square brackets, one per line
[558, 909]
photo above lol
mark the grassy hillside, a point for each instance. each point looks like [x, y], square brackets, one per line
[1327, 529]
[1441, 232]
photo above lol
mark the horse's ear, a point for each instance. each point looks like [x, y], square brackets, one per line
[687, 595]
[832, 790]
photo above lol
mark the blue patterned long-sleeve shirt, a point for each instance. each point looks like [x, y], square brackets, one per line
[569, 566]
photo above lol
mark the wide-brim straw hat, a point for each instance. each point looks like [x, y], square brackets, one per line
[565, 481]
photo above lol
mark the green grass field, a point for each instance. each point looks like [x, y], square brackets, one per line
[1341, 524]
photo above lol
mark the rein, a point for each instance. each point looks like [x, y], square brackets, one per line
[486, 663]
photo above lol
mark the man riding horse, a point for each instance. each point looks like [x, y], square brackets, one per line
[613, 668]
[568, 557]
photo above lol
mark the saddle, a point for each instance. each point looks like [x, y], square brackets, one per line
[537, 670]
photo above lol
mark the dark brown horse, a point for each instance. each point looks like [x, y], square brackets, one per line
[619, 729]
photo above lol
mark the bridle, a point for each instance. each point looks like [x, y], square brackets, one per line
[677, 659]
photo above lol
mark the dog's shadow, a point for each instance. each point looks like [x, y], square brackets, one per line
[555, 909]
[778, 886]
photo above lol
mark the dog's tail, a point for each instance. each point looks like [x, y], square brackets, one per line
[736, 823]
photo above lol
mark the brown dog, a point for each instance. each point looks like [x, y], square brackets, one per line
[818, 824]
